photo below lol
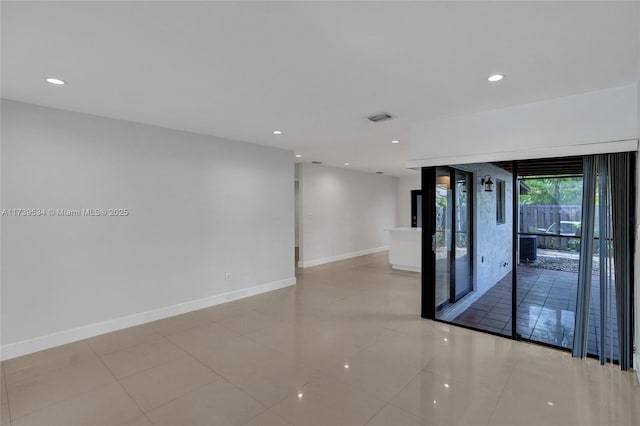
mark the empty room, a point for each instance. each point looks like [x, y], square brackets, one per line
[318, 213]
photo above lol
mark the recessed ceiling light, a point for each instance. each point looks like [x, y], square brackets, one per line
[495, 77]
[53, 80]
[300, 395]
[346, 366]
[347, 164]
[446, 385]
[396, 141]
[277, 132]
[298, 155]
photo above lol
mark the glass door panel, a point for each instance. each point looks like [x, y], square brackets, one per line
[549, 256]
[480, 292]
[453, 235]
[463, 249]
[442, 236]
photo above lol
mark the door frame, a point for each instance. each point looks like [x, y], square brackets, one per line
[428, 293]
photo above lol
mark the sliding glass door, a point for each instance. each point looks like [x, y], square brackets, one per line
[550, 212]
[453, 236]
[538, 250]
[473, 280]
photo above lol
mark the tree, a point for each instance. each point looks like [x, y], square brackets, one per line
[553, 191]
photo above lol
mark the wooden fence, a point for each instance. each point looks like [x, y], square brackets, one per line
[548, 219]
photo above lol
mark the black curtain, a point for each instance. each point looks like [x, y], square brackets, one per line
[612, 177]
[623, 195]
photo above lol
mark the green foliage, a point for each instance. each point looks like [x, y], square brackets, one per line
[553, 191]
[573, 245]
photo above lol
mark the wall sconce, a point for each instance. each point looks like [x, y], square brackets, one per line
[487, 183]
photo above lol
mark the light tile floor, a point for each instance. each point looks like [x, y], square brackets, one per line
[344, 347]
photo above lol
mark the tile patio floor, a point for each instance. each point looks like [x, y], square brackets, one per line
[546, 305]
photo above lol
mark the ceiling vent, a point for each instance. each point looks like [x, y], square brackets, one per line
[317, 162]
[379, 173]
[376, 118]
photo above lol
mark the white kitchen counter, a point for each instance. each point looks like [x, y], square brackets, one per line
[405, 248]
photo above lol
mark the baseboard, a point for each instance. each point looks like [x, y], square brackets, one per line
[407, 268]
[322, 261]
[25, 347]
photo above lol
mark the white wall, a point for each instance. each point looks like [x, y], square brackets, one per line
[344, 213]
[199, 207]
[493, 246]
[558, 127]
[405, 185]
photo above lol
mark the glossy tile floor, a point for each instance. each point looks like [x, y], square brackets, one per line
[343, 347]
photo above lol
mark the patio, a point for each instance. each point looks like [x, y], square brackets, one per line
[546, 303]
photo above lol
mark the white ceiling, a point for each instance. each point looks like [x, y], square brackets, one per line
[314, 70]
